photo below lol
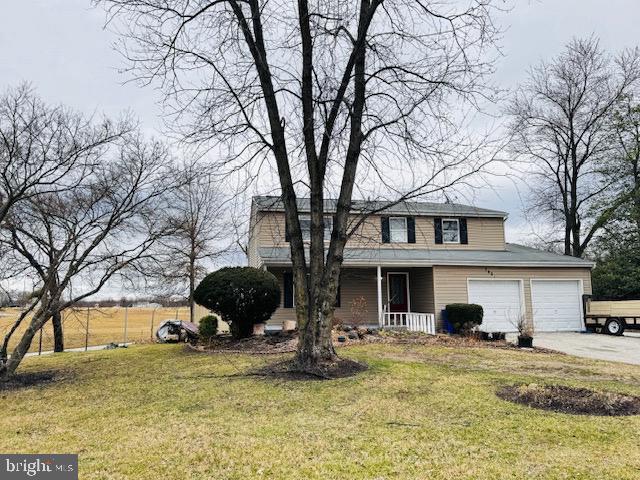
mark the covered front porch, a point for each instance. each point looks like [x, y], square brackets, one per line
[386, 297]
[405, 298]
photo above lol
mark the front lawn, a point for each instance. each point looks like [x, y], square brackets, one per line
[423, 412]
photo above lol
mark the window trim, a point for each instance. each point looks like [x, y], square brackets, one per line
[457, 220]
[327, 225]
[302, 230]
[406, 230]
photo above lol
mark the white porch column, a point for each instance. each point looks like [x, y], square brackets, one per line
[379, 281]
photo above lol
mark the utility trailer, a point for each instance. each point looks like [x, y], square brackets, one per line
[612, 321]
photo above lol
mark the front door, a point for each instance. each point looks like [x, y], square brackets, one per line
[398, 298]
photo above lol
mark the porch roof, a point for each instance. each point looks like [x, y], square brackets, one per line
[514, 256]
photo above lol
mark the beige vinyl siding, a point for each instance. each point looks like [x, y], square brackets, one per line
[483, 233]
[270, 229]
[361, 283]
[421, 288]
[450, 283]
[355, 283]
[264, 230]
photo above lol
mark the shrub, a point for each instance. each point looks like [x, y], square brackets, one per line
[242, 296]
[208, 327]
[464, 316]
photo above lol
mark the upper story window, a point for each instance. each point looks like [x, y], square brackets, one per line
[398, 229]
[450, 230]
[305, 226]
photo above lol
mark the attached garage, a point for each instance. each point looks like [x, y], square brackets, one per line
[501, 300]
[557, 305]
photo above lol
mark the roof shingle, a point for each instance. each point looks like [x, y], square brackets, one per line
[275, 204]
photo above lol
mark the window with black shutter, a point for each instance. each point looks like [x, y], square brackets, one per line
[437, 225]
[411, 230]
[464, 236]
[386, 237]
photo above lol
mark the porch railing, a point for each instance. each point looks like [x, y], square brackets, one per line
[412, 321]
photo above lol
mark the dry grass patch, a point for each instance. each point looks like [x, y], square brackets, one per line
[106, 325]
[158, 411]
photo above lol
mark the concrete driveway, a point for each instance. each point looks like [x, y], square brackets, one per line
[624, 349]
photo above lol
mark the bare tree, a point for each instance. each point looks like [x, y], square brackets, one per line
[198, 224]
[77, 239]
[562, 125]
[39, 147]
[338, 95]
[624, 168]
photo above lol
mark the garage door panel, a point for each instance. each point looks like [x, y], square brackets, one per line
[501, 301]
[556, 305]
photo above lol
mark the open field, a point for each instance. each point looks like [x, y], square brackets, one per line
[106, 325]
[158, 411]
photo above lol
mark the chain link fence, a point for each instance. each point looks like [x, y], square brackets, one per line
[92, 326]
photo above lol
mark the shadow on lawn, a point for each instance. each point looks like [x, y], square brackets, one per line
[285, 369]
[33, 379]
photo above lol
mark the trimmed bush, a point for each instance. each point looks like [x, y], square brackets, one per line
[208, 327]
[242, 296]
[464, 316]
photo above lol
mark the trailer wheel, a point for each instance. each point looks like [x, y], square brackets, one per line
[614, 326]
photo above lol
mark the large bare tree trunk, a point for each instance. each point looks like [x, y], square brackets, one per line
[192, 287]
[58, 335]
[342, 109]
[20, 350]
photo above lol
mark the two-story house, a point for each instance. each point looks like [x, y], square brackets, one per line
[417, 257]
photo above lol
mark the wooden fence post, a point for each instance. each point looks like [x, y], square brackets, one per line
[126, 319]
[153, 316]
[86, 333]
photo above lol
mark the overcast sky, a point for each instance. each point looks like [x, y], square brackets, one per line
[60, 46]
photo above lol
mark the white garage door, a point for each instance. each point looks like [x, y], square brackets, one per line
[501, 301]
[556, 305]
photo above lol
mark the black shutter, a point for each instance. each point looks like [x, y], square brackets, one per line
[411, 230]
[437, 224]
[287, 238]
[288, 290]
[386, 236]
[338, 292]
[464, 238]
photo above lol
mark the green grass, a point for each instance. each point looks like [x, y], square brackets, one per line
[157, 411]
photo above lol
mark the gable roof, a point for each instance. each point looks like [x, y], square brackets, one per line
[275, 204]
[513, 256]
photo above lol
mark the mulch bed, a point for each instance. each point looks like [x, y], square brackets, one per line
[280, 342]
[287, 370]
[286, 342]
[577, 401]
[26, 380]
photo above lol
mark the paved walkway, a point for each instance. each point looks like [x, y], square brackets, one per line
[81, 349]
[624, 349]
